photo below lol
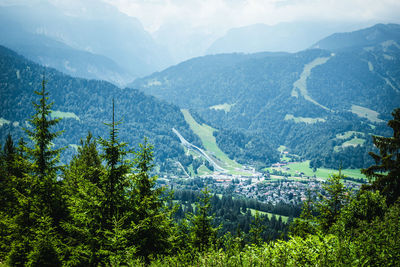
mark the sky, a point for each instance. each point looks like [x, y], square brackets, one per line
[220, 15]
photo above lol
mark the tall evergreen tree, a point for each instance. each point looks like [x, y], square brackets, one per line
[44, 157]
[40, 207]
[116, 184]
[153, 228]
[385, 174]
[256, 230]
[329, 208]
[202, 232]
[84, 199]
[117, 167]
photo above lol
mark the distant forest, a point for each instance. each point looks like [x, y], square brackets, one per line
[104, 208]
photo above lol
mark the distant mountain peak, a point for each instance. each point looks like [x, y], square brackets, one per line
[375, 35]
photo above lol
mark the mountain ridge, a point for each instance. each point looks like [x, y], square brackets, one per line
[84, 105]
[258, 89]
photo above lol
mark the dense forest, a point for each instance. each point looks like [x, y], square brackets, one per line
[104, 208]
[302, 100]
[85, 105]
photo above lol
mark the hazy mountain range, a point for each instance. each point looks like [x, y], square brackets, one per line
[322, 103]
[99, 42]
[306, 101]
[106, 45]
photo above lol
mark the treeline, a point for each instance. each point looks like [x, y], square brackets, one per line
[236, 216]
[245, 148]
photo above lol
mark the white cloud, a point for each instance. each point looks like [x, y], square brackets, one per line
[224, 14]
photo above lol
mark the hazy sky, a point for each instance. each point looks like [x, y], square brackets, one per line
[225, 14]
[221, 15]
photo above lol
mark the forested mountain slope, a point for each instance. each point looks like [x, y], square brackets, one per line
[321, 104]
[85, 105]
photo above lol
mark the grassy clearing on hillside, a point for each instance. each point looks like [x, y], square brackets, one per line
[348, 134]
[353, 142]
[297, 167]
[205, 133]
[305, 120]
[366, 113]
[284, 218]
[64, 115]
[225, 107]
[202, 170]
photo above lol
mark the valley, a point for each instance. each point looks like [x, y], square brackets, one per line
[199, 133]
[287, 181]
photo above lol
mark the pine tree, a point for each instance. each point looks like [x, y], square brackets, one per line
[44, 157]
[84, 200]
[256, 230]
[40, 208]
[202, 232]
[116, 185]
[305, 224]
[116, 174]
[153, 228]
[385, 174]
[330, 206]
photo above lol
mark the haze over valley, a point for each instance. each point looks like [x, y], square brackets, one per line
[271, 106]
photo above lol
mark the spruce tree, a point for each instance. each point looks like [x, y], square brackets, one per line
[202, 232]
[330, 206]
[39, 207]
[153, 227]
[256, 230]
[84, 197]
[385, 174]
[115, 183]
[44, 157]
[114, 180]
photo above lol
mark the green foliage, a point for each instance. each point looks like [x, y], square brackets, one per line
[366, 207]
[37, 206]
[45, 245]
[91, 102]
[305, 224]
[256, 229]
[329, 208]
[385, 173]
[153, 227]
[202, 233]
[85, 200]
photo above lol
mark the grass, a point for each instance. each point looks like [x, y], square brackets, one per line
[284, 218]
[367, 113]
[206, 136]
[320, 173]
[202, 170]
[225, 107]
[64, 115]
[353, 142]
[305, 120]
[348, 134]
